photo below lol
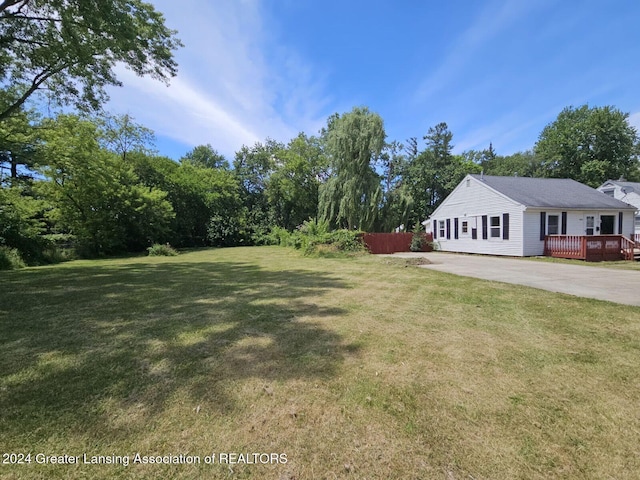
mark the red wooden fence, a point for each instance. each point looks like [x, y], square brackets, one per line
[592, 248]
[393, 242]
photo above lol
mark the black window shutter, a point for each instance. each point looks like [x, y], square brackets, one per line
[543, 225]
[448, 228]
[484, 227]
[455, 228]
[435, 229]
[620, 223]
[474, 234]
[564, 223]
[505, 226]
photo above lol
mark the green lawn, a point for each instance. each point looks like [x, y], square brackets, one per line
[362, 367]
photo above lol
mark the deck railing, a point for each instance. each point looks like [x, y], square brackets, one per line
[592, 248]
[627, 246]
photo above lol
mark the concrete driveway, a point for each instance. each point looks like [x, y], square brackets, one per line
[614, 285]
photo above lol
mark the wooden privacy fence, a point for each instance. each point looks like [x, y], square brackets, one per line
[394, 242]
[592, 248]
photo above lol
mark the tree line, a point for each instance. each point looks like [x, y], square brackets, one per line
[97, 181]
[93, 180]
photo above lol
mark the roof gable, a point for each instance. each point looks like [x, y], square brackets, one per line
[627, 186]
[550, 192]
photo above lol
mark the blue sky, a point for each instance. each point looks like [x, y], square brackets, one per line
[495, 71]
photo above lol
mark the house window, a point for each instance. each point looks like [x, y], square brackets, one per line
[495, 227]
[637, 223]
[609, 192]
[468, 182]
[552, 225]
[441, 230]
[465, 227]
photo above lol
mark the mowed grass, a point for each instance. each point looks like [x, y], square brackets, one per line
[361, 368]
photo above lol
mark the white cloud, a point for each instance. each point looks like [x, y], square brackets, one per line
[634, 120]
[236, 85]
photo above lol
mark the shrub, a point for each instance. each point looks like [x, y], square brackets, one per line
[10, 259]
[418, 241]
[162, 250]
[279, 236]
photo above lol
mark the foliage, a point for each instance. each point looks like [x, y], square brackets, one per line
[589, 145]
[10, 259]
[435, 172]
[97, 196]
[71, 48]
[122, 135]
[520, 164]
[418, 240]
[162, 250]
[351, 196]
[314, 237]
[18, 148]
[292, 188]
[21, 224]
[253, 167]
[206, 156]
[397, 200]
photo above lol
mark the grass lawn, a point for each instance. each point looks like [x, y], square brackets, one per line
[351, 368]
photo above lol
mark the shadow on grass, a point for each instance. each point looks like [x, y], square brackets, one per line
[78, 343]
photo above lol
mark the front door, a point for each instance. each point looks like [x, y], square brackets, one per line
[607, 223]
[591, 224]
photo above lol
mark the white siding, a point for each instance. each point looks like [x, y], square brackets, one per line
[576, 225]
[632, 198]
[468, 202]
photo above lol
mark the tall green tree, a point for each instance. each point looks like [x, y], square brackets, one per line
[397, 201]
[122, 135]
[253, 167]
[96, 195]
[520, 164]
[589, 145]
[352, 195]
[206, 201]
[18, 147]
[292, 189]
[69, 48]
[205, 156]
[435, 172]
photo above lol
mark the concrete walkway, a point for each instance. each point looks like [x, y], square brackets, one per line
[614, 285]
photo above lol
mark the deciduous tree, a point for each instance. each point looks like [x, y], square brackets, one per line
[69, 48]
[589, 145]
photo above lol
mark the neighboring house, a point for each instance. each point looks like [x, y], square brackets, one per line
[628, 192]
[513, 215]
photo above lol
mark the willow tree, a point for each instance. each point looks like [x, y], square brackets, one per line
[352, 195]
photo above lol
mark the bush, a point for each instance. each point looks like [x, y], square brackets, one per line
[419, 240]
[279, 236]
[314, 238]
[162, 250]
[10, 259]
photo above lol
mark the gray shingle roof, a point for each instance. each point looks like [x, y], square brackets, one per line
[551, 192]
[628, 186]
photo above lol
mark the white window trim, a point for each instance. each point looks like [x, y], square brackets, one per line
[462, 232]
[558, 226]
[499, 227]
[442, 229]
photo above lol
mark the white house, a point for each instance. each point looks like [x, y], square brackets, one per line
[628, 192]
[512, 215]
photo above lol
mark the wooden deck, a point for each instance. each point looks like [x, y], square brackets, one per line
[591, 248]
